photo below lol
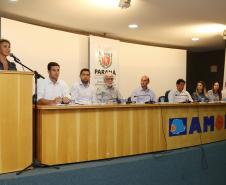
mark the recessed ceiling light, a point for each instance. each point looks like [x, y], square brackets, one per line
[13, 0]
[210, 28]
[105, 3]
[195, 39]
[133, 26]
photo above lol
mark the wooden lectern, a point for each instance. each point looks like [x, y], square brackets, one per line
[15, 120]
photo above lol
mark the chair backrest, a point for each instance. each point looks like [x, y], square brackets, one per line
[161, 99]
[166, 96]
[33, 99]
[129, 100]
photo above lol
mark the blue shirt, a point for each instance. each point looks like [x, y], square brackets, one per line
[199, 97]
[140, 95]
[12, 66]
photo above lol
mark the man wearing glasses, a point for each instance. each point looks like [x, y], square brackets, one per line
[108, 93]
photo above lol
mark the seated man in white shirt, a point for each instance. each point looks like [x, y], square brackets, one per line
[143, 94]
[52, 91]
[179, 95]
[83, 92]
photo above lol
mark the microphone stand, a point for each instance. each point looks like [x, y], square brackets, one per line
[35, 162]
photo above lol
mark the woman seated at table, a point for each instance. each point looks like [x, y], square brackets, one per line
[200, 94]
[215, 93]
[4, 52]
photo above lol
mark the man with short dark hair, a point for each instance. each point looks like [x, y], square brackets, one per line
[51, 90]
[180, 95]
[83, 92]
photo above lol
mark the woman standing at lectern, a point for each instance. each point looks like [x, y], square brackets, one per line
[4, 52]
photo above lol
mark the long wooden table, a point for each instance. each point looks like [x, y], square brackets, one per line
[71, 133]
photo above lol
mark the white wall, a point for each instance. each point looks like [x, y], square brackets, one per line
[36, 46]
[164, 66]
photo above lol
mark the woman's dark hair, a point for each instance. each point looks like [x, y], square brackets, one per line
[218, 91]
[5, 40]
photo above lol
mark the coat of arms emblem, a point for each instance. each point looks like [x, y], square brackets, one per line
[105, 59]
